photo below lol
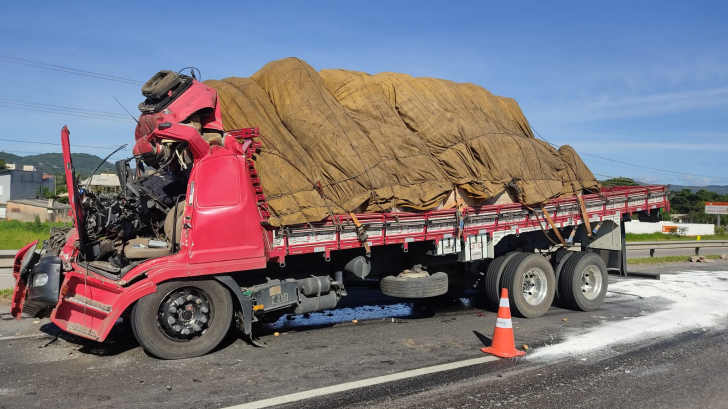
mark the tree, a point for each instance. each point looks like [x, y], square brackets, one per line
[620, 181]
[47, 193]
[2, 164]
[693, 204]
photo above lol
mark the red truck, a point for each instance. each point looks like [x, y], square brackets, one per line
[185, 250]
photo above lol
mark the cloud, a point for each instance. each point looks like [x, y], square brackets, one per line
[617, 146]
[634, 106]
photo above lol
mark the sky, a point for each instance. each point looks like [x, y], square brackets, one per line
[640, 89]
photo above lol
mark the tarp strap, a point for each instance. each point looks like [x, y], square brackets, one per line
[553, 226]
[584, 215]
[361, 234]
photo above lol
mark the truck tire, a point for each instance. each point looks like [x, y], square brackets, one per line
[493, 278]
[183, 319]
[583, 282]
[559, 260]
[158, 86]
[531, 285]
[415, 287]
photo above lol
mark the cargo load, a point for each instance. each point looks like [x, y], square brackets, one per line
[339, 141]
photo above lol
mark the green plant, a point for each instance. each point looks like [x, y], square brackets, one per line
[620, 181]
[15, 234]
[665, 259]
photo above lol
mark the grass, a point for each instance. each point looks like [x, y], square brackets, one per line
[5, 295]
[666, 259]
[668, 237]
[15, 234]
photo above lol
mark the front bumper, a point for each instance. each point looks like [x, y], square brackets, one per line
[37, 282]
[44, 283]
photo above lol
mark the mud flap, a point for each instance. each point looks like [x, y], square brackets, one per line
[246, 308]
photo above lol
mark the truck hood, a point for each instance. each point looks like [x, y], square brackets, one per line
[74, 196]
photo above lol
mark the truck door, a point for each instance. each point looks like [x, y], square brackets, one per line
[224, 224]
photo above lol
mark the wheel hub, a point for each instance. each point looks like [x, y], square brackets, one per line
[184, 314]
[535, 286]
[591, 282]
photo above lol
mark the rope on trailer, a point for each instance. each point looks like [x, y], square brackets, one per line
[584, 215]
[553, 226]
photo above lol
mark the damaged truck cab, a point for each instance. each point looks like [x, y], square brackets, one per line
[180, 249]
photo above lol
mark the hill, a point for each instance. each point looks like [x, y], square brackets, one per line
[52, 163]
[719, 189]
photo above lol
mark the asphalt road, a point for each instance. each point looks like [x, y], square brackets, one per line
[640, 349]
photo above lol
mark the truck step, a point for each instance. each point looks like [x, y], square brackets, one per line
[89, 303]
[79, 329]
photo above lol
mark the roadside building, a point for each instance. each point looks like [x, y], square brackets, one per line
[681, 218]
[47, 210]
[21, 184]
[103, 183]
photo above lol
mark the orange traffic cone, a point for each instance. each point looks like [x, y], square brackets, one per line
[503, 344]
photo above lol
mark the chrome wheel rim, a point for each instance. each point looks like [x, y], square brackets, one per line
[591, 282]
[535, 286]
[185, 314]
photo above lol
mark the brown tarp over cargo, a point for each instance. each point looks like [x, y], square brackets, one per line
[340, 141]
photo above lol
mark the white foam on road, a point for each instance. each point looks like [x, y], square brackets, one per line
[699, 300]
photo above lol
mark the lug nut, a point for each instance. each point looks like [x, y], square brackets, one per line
[203, 319]
[198, 301]
[190, 297]
[172, 310]
[204, 310]
[177, 328]
[185, 331]
[170, 320]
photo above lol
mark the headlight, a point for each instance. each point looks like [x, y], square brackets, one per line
[40, 280]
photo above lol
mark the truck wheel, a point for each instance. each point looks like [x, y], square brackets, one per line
[183, 319]
[414, 285]
[558, 261]
[531, 285]
[493, 278]
[583, 282]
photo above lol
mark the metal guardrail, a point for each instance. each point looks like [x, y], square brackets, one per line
[652, 246]
[6, 258]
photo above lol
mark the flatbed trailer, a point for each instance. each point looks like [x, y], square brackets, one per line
[210, 258]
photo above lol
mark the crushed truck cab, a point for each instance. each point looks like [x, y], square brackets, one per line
[188, 248]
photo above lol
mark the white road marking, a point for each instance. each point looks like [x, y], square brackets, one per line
[2, 338]
[313, 393]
